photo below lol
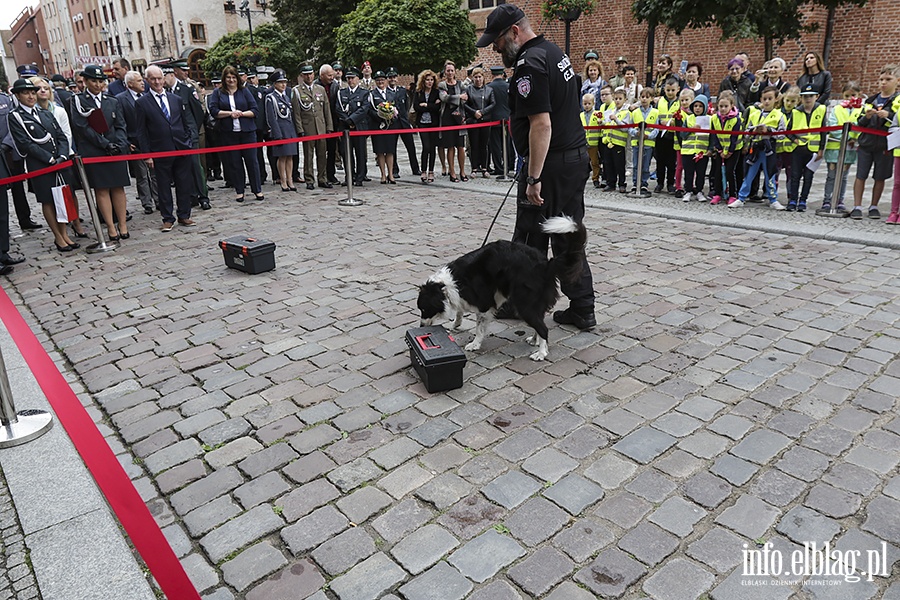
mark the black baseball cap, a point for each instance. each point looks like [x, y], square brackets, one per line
[503, 17]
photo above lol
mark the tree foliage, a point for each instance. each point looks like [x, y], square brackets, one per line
[777, 20]
[410, 35]
[271, 46]
[311, 23]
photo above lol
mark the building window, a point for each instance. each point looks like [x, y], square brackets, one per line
[140, 40]
[134, 6]
[198, 33]
[478, 4]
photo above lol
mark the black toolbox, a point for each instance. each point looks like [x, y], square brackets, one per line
[247, 254]
[436, 358]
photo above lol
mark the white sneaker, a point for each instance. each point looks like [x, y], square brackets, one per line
[736, 204]
[701, 197]
[687, 197]
[776, 205]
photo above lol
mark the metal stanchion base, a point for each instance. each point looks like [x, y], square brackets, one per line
[31, 424]
[834, 215]
[101, 247]
[350, 202]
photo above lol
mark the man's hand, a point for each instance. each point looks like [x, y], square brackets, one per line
[149, 162]
[533, 193]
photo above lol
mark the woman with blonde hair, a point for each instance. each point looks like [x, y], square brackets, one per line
[453, 96]
[46, 99]
[593, 80]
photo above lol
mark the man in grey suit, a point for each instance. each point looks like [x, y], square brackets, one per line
[501, 112]
[143, 174]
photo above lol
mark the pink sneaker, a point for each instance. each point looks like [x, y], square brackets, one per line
[715, 199]
[731, 200]
[893, 219]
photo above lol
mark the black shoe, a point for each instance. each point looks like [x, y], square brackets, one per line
[673, 192]
[570, 317]
[148, 210]
[29, 225]
[12, 260]
[874, 213]
[597, 184]
[507, 311]
[333, 181]
[658, 189]
[127, 216]
[6, 270]
[204, 204]
[366, 179]
[360, 182]
[679, 193]
[645, 193]
[856, 213]
[326, 185]
[310, 186]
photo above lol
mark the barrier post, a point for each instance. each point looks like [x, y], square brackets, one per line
[638, 168]
[100, 246]
[348, 174]
[503, 140]
[21, 427]
[838, 177]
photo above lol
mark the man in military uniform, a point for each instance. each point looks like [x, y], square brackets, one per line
[312, 116]
[619, 78]
[6, 261]
[501, 113]
[190, 93]
[545, 102]
[402, 101]
[262, 127]
[352, 108]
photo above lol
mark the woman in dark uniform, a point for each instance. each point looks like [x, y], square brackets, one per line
[385, 145]
[280, 119]
[452, 98]
[40, 140]
[98, 126]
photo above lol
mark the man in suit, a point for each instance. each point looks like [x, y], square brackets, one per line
[501, 112]
[120, 67]
[402, 101]
[352, 108]
[312, 116]
[6, 261]
[165, 123]
[143, 174]
[332, 85]
[190, 98]
[16, 166]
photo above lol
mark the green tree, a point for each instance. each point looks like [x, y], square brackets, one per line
[772, 20]
[271, 46]
[311, 23]
[410, 35]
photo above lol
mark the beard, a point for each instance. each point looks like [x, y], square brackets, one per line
[509, 54]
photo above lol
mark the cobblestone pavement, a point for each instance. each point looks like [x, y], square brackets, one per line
[740, 389]
[16, 574]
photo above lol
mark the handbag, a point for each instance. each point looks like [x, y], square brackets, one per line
[64, 201]
[458, 118]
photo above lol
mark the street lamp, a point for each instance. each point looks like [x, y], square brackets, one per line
[245, 11]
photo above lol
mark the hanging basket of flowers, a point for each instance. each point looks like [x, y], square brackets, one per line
[566, 10]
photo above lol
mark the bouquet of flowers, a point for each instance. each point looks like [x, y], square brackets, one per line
[387, 111]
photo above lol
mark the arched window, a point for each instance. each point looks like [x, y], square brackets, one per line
[194, 70]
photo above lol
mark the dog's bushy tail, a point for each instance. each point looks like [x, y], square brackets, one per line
[567, 266]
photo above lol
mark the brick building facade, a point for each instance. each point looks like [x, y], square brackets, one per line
[864, 40]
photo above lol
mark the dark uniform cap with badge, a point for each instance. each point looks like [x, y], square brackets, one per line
[27, 70]
[278, 75]
[498, 70]
[352, 72]
[71, 83]
[622, 59]
[307, 69]
[94, 72]
[379, 75]
[337, 66]
[591, 55]
[58, 78]
[23, 85]
[502, 18]
[179, 64]
[392, 72]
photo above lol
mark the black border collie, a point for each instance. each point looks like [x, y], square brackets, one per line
[484, 279]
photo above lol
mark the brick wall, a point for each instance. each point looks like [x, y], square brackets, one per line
[864, 40]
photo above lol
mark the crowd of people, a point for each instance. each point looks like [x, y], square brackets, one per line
[769, 116]
[164, 110]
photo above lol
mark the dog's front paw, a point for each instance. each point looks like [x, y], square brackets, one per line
[533, 339]
[539, 354]
[472, 346]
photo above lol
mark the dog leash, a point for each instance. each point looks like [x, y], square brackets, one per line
[505, 198]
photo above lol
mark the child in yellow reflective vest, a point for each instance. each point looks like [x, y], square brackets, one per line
[759, 150]
[615, 141]
[784, 147]
[664, 148]
[605, 104]
[725, 148]
[809, 115]
[592, 136]
[645, 113]
[685, 97]
[845, 111]
[695, 149]
[894, 217]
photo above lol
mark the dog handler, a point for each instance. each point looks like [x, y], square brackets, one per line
[545, 102]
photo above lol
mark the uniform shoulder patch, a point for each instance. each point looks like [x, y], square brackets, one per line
[523, 86]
